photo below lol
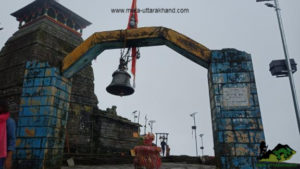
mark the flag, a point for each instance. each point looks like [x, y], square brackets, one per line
[133, 16]
[132, 23]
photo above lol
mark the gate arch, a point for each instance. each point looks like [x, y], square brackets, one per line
[140, 37]
[236, 117]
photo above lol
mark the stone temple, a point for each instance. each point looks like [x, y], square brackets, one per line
[47, 32]
[51, 91]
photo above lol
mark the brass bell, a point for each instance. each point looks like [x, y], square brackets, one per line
[120, 84]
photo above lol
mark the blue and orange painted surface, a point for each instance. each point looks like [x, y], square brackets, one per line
[42, 117]
[237, 124]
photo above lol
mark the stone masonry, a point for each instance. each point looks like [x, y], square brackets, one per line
[113, 133]
[42, 118]
[236, 117]
[44, 41]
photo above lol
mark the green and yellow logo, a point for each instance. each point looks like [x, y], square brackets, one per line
[279, 154]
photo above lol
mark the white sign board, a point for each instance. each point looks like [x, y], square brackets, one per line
[235, 97]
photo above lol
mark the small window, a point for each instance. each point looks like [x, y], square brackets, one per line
[34, 16]
[51, 13]
[61, 18]
[41, 12]
[77, 27]
[27, 19]
[70, 23]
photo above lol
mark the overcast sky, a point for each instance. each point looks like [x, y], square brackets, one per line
[169, 87]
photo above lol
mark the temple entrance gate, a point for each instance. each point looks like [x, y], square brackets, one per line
[236, 117]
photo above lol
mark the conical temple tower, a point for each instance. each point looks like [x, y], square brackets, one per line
[47, 32]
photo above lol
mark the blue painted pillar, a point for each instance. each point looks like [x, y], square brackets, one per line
[42, 118]
[236, 116]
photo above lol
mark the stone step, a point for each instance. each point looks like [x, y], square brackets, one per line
[130, 166]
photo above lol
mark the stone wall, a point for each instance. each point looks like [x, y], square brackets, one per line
[43, 41]
[42, 118]
[113, 133]
[236, 116]
[102, 132]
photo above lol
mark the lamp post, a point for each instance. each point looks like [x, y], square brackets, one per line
[202, 148]
[137, 117]
[287, 59]
[151, 124]
[161, 136]
[134, 115]
[194, 128]
[145, 126]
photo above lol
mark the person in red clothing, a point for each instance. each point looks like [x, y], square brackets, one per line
[7, 136]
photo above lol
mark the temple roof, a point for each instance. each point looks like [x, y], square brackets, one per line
[39, 5]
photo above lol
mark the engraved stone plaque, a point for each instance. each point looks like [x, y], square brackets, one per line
[235, 97]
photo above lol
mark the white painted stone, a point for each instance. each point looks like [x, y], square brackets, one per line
[235, 97]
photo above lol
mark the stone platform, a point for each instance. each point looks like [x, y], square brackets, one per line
[130, 166]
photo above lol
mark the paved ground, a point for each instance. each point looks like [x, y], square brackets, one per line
[164, 166]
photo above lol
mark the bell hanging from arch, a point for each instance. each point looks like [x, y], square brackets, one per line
[120, 84]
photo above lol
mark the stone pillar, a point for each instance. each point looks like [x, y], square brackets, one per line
[236, 117]
[42, 118]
